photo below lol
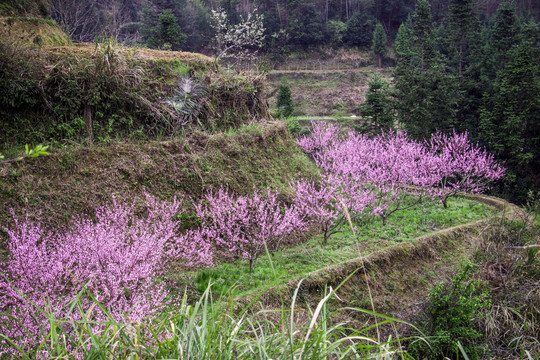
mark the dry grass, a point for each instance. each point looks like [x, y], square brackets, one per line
[144, 54]
[33, 31]
[74, 181]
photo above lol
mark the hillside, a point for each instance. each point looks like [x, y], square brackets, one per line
[103, 91]
[133, 124]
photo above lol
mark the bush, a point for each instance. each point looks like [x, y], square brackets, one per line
[285, 104]
[294, 126]
[452, 310]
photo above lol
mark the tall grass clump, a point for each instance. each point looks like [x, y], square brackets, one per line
[203, 330]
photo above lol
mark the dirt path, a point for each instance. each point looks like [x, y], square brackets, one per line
[322, 71]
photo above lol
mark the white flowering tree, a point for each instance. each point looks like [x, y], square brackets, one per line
[241, 40]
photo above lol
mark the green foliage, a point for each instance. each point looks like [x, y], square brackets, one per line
[403, 43]
[427, 93]
[423, 34]
[510, 120]
[148, 26]
[426, 101]
[161, 31]
[378, 105]
[463, 26]
[378, 45]
[359, 31]
[336, 31]
[19, 71]
[294, 126]
[452, 310]
[25, 7]
[306, 27]
[285, 105]
[39, 150]
[170, 35]
[505, 31]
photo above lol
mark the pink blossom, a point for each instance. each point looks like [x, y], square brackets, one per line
[115, 258]
[241, 226]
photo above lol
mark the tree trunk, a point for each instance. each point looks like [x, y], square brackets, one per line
[88, 122]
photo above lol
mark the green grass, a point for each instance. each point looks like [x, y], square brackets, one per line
[207, 330]
[298, 261]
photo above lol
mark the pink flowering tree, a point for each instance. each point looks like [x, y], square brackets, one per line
[390, 172]
[402, 173]
[114, 258]
[244, 226]
[464, 167]
[319, 206]
[322, 137]
[331, 203]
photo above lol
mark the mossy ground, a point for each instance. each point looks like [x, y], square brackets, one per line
[33, 31]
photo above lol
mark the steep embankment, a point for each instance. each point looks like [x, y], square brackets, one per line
[36, 31]
[55, 92]
[105, 111]
[398, 280]
[78, 179]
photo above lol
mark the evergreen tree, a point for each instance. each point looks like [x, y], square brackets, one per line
[426, 93]
[170, 35]
[285, 105]
[148, 26]
[160, 31]
[426, 101]
[359, 30]
[402, 44]
[423, 34]
[463, 25]
[378, 105]
[505, 33]
[476, 84]
[378, 45]
[510, 120]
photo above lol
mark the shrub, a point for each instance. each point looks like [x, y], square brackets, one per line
[294, 126]
[285, 104]
[452, 310]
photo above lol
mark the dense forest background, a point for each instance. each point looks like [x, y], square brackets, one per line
[464, 65]
[289, 24]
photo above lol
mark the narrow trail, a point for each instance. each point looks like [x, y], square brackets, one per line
[322, 71]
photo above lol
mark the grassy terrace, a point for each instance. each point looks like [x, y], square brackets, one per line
[298, 261]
